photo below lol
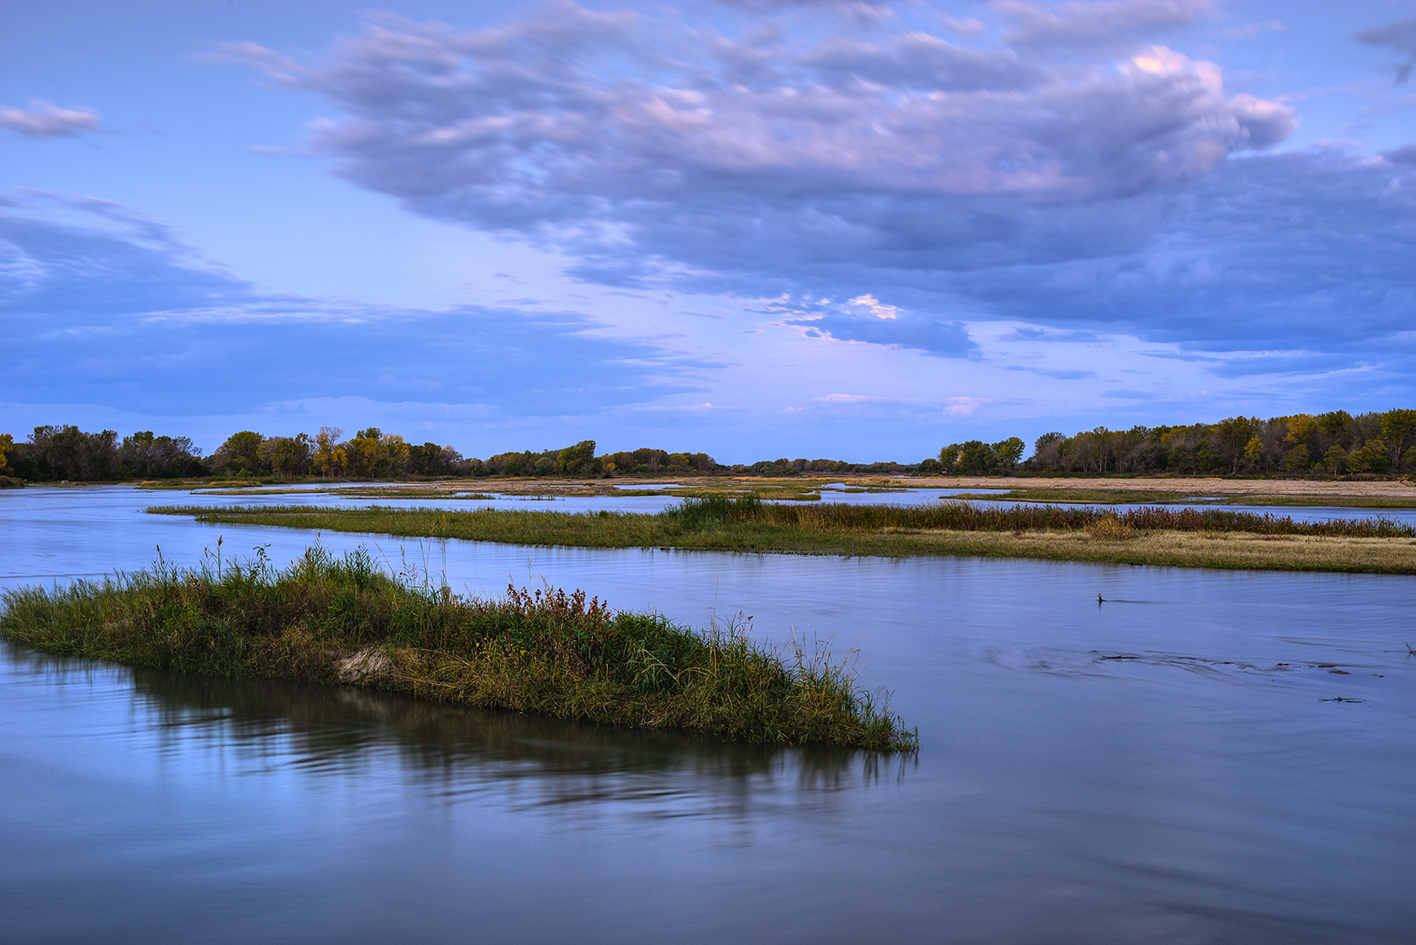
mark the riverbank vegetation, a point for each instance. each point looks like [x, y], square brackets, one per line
[342, 621]
[1184, 537]
[1328, 445]
[1155, 497]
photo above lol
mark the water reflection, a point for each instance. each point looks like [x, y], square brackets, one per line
[459, 753]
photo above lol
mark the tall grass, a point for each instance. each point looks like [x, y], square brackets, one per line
[964, 516]
[1151, 535]
[343, 621]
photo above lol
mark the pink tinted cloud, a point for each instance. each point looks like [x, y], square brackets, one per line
[46, 120]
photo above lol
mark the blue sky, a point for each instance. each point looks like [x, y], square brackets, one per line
[757, 228]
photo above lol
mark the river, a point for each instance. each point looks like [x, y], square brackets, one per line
[1204, 757]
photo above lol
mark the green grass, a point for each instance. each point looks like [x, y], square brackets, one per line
[344, 622]
[1148, 535]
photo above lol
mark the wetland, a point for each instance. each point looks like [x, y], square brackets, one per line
[1204, 755]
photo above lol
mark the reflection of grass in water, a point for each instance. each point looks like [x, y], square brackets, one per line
[342, 724]
[336, 621]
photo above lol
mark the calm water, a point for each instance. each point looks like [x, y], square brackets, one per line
[1169, 766]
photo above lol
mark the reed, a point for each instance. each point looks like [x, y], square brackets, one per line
[343, 621]
[1148, 535]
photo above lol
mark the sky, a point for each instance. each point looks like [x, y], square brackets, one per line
[753, 228]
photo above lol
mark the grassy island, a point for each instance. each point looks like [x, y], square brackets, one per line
[341, 621]
[1159, 535]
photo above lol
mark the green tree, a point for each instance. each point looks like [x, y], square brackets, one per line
[241, 453]
[288, 456]
[1008, 453]
[1298, 459]
[1373, 457]
[973, 458]
[1335, 423]
[1399, 430]
[579, 460]
[1335, 459]
[1231, 437]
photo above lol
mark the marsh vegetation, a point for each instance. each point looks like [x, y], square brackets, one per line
[1146, 535]
[343, 621]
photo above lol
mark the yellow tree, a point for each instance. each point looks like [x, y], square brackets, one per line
[393, 456]
[6, 441]
[330, 458]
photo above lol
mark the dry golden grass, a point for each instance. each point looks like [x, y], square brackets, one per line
[1230, 550]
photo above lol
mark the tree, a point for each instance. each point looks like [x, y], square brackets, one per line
[579, 460]
[1372, 457]
[144, 454]
[1254, 451]
[1009, 453]
[973, 458]
[241, 453]
[363, 453]
[1298, 459]
[1335, 423]
[1231, 436]
[1335, 459]
[6, 443]
[1398, 429]
[330, 458]
[288, 456]
[69, 453]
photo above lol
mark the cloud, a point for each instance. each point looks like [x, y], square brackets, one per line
[1406, 154]
[943, 338]
[964, 406]
[595, 129]
[1307, 251]
[45, 120]
[1093, 24]
[116, 311]
[1048, 177]
[1400, 38]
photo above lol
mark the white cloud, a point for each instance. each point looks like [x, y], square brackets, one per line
[964, 406]
[45, 120]
[875, 306]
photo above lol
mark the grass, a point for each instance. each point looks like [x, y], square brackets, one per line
[1131, 497]
[1184, 537]
[342, 621]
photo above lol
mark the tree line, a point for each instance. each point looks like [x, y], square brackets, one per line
[1334, 443]
[59, 453]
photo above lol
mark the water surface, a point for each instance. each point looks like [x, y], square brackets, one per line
[1169, 766]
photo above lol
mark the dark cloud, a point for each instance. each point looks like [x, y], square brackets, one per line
[1060, 187]
[115, 317]
[1095, 24]
[45, 120]
[946, 339]
[1400, 38]
[1287, 252]
[1406, 154]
